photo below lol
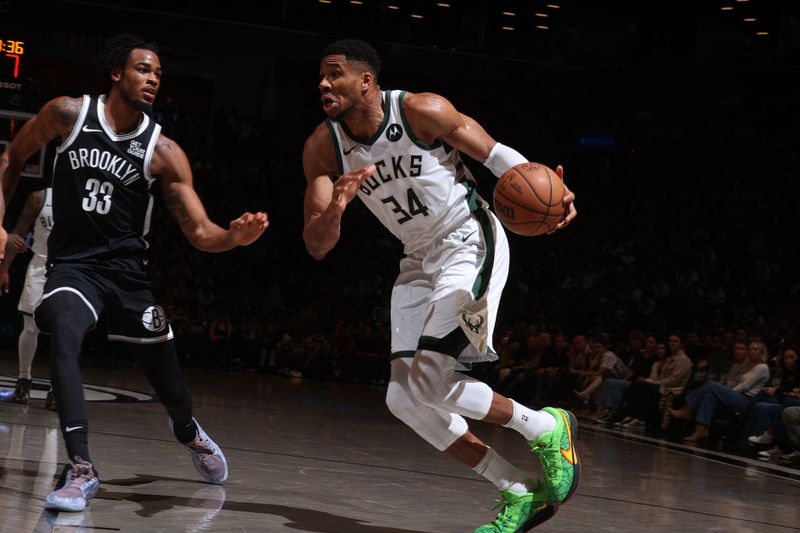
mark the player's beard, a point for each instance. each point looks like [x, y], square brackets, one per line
[144, 107]
[343, 113]
[139, 105]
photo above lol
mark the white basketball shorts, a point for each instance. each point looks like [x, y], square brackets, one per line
[446, 296]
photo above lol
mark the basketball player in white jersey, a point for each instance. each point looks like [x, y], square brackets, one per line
[400, 153]
[111, 154]
[37, 214]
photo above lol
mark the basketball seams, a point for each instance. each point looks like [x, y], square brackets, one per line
[530, 221]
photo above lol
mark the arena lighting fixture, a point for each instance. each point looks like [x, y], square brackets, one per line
[553, 6]
[727, 8]
[415, 16]
[540, 27]
[507, 28]
[442, 4]
[750, 19]
[324, 1]
[393, 7]
[356, 2]
[762, 33]
[509, 14]
[542, 15]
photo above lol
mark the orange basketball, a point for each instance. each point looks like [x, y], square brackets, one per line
[528, 199]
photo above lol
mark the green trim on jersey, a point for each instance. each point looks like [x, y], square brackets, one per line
[402, 353]
[472, 195]
[424, 146]
[336, 148]
[387, 110]
[485, 274]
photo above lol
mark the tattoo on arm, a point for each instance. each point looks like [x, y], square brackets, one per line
[67, 111]
[176, 208]
[163, 145]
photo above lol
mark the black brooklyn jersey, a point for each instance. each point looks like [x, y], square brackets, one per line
[101, 189]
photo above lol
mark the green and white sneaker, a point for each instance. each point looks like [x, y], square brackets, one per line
[520, 512]
[557, 454]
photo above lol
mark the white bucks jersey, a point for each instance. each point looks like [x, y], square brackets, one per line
[418, 191]
[43, 224]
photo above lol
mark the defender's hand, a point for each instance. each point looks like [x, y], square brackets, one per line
[248, 227]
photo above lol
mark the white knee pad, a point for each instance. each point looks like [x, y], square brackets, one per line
[434, 382]
[439, 428]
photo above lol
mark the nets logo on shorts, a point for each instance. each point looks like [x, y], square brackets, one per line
[154, 318]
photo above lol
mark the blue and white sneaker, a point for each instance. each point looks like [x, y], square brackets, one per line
[80, 486]
[207, 457]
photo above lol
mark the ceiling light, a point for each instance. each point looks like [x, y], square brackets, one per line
[507, 28]
[542, 15]
[509, 14]
[356, 2]
[442, 4]
[415, 16]
[553, 6]
[750, 19]
[393, 7]
[762, 33]
[540, 27]
[727, 8]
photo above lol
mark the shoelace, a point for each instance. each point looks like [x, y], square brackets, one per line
[501, 517]
[202, 448]
[550, 460]
[81, 473]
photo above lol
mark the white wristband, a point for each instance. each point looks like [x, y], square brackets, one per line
[501, 158]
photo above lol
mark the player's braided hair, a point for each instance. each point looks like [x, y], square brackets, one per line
[117, 50]
[356, 51]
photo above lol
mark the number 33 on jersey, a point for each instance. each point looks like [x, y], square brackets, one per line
[102, 187]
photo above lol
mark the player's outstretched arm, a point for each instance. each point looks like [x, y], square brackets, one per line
[325, 199]
[56, 119]
[172, 165]
[432, 117]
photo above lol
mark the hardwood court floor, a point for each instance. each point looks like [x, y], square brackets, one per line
[324, 457]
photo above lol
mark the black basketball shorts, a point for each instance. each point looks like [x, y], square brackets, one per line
[119, 290]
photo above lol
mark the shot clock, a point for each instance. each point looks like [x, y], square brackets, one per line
[11, 54]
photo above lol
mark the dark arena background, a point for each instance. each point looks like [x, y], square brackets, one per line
[678, 126]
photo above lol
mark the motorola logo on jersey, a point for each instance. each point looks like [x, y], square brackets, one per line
[154, 318]
[394, 132]
[92, 393]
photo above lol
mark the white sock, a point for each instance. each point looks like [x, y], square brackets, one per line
[26, 346]
[529, 423]
[503, 474]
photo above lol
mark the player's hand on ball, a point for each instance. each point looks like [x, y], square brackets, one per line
[248, 227]
[568, 201]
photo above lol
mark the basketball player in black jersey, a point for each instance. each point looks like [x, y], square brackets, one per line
[110, 155]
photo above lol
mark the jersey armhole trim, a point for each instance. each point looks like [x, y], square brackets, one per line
[148, 156]
[407, 126]
[336, 148]
[77, 128]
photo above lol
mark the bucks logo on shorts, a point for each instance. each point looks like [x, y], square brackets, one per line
[154, 318]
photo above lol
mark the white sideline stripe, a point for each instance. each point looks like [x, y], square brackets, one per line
[142, 340]
[76, 291]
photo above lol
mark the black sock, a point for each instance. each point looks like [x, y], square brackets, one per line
[185, 434]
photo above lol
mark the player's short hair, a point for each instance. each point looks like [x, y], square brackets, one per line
[117, 50]
[356, 51]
